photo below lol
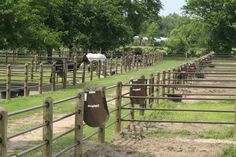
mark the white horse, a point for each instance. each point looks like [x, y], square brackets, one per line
[96, 57]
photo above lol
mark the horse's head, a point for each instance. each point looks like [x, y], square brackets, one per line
[85, 59]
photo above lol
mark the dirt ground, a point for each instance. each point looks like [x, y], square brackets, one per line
[156, 147]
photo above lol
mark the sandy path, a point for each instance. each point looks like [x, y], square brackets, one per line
[34, 136]
[156, 147]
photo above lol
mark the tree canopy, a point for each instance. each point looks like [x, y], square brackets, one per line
[73, 24]
[220, 18]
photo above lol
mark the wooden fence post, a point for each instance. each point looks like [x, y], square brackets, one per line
[105, 69]
[6, 53]
[146, 60]
[75, 70]
[151, 90]
[118, 108]
[13, 56]
[101, 129]
[173, 79]
[130, 64]
[65, 69]
[133, 63]
[40, 88]
[53, 77]
[235, 121]
[155, 58]
[91, 71]
[99, 69]
[168, 81]
[79, 109]
[101, 134]
[3, 132]
[48, 129]
[141, 112]
[158, 57]
[32, 70]
[163, 82]
[83, 74]
[125, 63]
[111, 66]
[136, 63]
[121, 65]
[116, 65]
[26, 93]
[36, 63]
[158, 87]
[8, 82]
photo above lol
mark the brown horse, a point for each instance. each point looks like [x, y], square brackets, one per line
[70, 65]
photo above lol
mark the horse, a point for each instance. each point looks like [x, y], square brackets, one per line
[70, 65]
[94, 58]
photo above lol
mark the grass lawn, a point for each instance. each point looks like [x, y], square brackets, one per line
[217, 132]
[24, 102]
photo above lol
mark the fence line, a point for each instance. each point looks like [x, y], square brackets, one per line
[21, 79]
[153, 92]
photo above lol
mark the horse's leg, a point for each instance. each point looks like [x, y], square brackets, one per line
[50, 80]
[57, 77]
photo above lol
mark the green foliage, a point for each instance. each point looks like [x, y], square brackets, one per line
[170, 22]
[87, 24]
[191, 36]
[220, 18]
[139, 11]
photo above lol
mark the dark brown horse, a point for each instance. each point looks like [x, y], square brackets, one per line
[60, 63]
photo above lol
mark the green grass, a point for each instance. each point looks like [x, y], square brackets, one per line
[227, 132]
[202, 105]
[224, 132]
[68, 107]
[168, 133]
[25, 102]
[228, 152]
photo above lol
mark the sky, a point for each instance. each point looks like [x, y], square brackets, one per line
[171, 6]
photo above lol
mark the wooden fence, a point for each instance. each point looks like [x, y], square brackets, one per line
[160, 85]
[41, 77]
[176, 85]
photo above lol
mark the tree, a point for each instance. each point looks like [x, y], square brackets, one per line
[139, 11]
[192, 37]
[73, 24]
[26, 25]
[104, 26]
[171, 21]
[220, 18]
